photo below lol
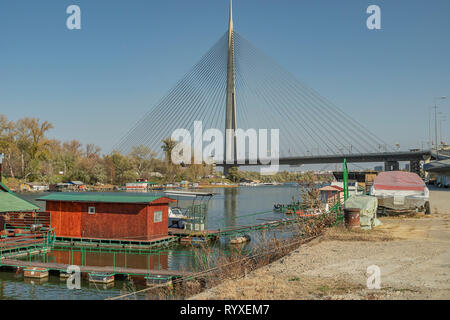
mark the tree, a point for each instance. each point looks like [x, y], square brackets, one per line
[168, 146]
[7, 142]
[119, 168]
[233, 174]
[142, 158]
[32, 143]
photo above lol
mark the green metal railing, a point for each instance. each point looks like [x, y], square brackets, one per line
[120, 258]
[116, 243]
[14, 247]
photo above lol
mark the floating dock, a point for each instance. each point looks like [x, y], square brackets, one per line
[232, 231]
[117, 243]
[35, 272]
[95, 269]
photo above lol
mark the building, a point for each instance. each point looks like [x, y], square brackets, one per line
[141, 185]
[352, 186]
[31, 186]
[331, 194]
[108, 216]
[67, 186]
[78, 185]
[22, 226]
[14, 209]
[441, 169]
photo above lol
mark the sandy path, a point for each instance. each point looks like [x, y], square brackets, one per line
[413, 254]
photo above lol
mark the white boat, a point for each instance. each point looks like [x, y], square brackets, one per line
[176, 218]
[399, 191]
[176, 213]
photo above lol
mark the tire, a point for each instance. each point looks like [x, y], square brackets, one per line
[427, 208]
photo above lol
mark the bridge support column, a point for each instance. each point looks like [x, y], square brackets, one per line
[226, 170]
[414, 166]
[391, 166]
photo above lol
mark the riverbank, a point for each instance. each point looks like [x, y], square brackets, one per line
[411, 251]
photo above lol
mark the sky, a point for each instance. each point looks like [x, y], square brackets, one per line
[93, 84]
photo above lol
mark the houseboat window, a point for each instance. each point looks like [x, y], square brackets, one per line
[91, 210]
[158, 216]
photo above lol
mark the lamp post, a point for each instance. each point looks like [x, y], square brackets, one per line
[430, 135]
[435, 123]
[440, 128]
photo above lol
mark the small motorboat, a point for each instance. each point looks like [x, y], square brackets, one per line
[104, 278]
[239, 240]
[277, 207]
[176, 218]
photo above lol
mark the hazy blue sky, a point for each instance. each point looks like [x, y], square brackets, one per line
[93, 84]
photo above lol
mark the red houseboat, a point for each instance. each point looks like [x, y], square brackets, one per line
[108, 216]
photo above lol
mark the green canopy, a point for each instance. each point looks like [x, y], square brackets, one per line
[100, 197]
[9, 202]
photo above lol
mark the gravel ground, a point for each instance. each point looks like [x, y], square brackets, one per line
[412, 252]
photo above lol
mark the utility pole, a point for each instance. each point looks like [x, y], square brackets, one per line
[435, 124]
[430, 139]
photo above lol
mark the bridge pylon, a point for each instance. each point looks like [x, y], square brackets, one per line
[230, 116]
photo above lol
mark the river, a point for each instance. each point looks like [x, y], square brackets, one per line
[229, 207]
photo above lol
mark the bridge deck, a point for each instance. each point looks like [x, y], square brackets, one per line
[352, 157]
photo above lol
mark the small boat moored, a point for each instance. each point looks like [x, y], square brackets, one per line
[35, 272]
[159, 279]
[239, 240]
[101, 277]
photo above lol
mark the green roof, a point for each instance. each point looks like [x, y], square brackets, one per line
[4, 188]
[100, 197]
[9, 202]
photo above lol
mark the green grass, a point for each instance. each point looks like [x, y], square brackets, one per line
[294, 279]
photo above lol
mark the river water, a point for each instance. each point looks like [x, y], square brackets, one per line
[230, 207]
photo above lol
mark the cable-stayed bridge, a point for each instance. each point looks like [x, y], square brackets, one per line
[236, 86]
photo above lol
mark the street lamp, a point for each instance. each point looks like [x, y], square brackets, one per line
[435, 122]
[430, 135]
[443, 119]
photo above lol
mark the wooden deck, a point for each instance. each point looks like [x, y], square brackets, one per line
[95, 269]
[116, 243]
[239, 229]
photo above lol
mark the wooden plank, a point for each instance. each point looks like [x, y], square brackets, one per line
[146, 240]
[106, 269]
[175, 231]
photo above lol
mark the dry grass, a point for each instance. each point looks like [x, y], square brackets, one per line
[282, 287]
[410, 214]
[341, 233]
[220, 267]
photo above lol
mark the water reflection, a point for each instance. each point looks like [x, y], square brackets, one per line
[230, 206]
